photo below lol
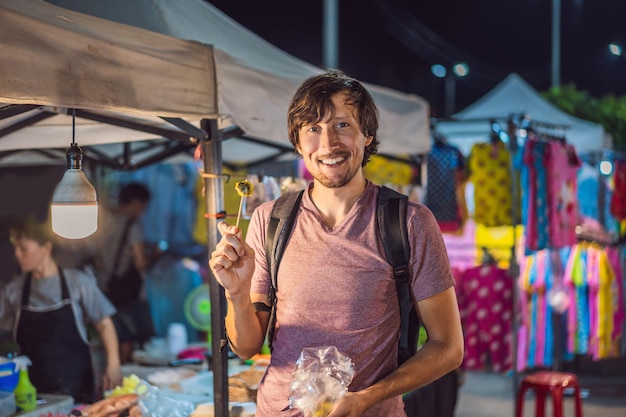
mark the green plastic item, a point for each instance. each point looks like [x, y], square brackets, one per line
[25, 392]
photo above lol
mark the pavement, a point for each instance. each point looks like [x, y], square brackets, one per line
[486, 394]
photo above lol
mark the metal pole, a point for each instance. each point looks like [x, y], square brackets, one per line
[331, 33]
[556, 43]
[450, 92]
[214, 192]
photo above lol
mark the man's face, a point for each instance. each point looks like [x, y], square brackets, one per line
[333, 149]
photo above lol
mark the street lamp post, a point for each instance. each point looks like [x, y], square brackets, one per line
[440, 71]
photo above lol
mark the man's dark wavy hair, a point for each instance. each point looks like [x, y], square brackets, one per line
[313, 101]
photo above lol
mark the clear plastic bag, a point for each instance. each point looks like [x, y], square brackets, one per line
[322, 377]
[154, 403]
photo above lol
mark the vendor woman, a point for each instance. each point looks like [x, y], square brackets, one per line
[47, 309]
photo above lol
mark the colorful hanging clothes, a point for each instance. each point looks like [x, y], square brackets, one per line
[595, 308]
[541, 296]
[562, 168]
[490, 173]
[446, 167]
[536, 225]
[485, 299]
[618, 198]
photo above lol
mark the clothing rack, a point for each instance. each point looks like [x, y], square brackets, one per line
[516, 126]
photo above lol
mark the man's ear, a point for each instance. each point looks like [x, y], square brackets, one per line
[368, 140]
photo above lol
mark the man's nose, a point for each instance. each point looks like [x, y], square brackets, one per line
[329, 137]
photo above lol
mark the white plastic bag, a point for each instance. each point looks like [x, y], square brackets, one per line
[321, 378]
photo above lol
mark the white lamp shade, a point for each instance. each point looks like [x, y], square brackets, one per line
[74, 207]
[74, 221]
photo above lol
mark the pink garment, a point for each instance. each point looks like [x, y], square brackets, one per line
[540, 288]
[562, 165]
[462, 248]
[488, 309]
[593, 285]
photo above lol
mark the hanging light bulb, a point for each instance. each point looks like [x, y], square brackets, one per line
[74, 208]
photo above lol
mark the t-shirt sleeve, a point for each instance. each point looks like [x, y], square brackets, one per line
[96, 306]
[255, 237]
[8, 305]
[430, 266]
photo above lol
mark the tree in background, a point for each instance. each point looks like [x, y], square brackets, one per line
[609, 111]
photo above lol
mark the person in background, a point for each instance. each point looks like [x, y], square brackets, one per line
[335, 287]
[47, 307]
[120, 265]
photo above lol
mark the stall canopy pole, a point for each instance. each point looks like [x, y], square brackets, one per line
[214, 192]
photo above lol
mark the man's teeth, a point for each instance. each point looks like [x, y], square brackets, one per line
[333, 161]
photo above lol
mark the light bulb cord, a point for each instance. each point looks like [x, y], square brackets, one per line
[73, 126]
[74, 154]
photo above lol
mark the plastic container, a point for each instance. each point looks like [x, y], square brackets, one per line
[176, 337]
[7, 404]
[9, 375]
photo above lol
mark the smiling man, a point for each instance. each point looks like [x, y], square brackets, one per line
[335, 286]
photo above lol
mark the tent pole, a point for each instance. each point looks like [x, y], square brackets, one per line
[214, 192]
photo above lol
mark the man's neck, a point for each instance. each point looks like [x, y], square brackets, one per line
[334, 204]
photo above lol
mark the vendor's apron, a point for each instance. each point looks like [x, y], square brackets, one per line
[50, 338]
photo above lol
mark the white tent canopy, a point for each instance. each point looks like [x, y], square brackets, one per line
[515, 97]
[58, 58]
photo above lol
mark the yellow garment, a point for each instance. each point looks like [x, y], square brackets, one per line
[490, 173]
[606, 309]
[381, 170]
[231, 206]
[499, 241]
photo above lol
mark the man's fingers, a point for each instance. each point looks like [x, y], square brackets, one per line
[226, 229]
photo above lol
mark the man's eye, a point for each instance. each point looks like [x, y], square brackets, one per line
[313, 129]
[343, 124]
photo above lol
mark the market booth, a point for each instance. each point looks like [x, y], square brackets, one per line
[529, 199]
[129, 85]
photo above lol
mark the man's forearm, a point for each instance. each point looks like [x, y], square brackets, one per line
[431, 362]
[243, 327]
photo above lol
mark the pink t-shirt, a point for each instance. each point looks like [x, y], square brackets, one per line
[563, 164]
[335, 288]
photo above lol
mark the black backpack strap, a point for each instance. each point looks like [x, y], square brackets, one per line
[391, 218]
[276, 236]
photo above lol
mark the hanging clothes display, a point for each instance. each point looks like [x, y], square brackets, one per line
[595, 313]
[446, 176]
[562, 167]
[549, 198]
[537, 281]
[486, 302]
[592, 305]
[489, 166]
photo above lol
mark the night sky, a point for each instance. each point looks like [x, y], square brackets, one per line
[393, 43]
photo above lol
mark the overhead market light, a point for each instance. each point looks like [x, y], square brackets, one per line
[615, 49]
[74, 208]
[461, 69]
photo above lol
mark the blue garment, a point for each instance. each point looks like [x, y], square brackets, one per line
[167, 285]
[541, 194]
[171, 214]
[444, 161]
[587, 193]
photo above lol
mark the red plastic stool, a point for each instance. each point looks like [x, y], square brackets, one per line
[547, 382]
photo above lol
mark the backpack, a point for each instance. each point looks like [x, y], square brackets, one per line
[391, 220]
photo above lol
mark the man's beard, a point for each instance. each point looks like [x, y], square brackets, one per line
[328, 183]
